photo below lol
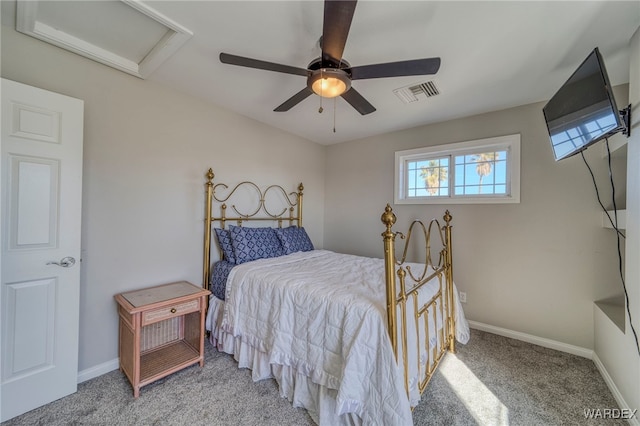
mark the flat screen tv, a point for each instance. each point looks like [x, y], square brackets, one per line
[583, 111]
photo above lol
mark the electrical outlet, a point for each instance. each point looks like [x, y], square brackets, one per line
[463, 297]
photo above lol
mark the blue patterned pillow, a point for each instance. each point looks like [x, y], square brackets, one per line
[224, 240]
[254, 243]
[219, 276]
[294, 239]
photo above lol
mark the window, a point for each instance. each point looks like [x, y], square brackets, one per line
[480, 171]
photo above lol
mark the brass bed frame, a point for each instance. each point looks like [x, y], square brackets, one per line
[396, 270]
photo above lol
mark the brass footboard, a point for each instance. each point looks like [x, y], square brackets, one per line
[427, 313]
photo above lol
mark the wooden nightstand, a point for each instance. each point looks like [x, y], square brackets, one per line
[161, 331]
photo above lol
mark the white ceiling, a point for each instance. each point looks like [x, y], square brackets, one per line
[495, 55]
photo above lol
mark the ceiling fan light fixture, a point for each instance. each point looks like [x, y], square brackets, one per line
[329, 82]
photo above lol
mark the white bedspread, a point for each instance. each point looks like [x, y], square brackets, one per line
[320, 341]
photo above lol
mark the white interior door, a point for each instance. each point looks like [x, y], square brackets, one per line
[41, 173]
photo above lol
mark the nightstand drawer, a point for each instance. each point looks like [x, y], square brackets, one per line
[167, 312]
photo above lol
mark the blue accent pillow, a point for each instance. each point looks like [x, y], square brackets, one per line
[254, 243]
[219, 276]
[294, 239]
[224, 241]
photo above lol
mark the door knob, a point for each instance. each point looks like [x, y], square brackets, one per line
[65, 262]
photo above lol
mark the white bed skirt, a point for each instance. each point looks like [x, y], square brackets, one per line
[297, 387]
[333, 392]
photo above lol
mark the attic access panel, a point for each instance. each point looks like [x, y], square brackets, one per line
[127, 35]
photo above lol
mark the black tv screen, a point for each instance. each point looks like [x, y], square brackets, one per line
[583, 111]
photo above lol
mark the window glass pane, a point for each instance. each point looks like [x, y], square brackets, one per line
[412, 176]
[480, 172]
[428, 177]
[459, 175]
[470, 176]
[471, 190]
[501, 171]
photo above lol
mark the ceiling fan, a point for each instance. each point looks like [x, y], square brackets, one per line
[331, 75]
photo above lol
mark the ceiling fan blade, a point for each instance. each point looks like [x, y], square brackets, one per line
[358, 101]
[396, 69]
[261, 65]
[338, 15]
[294, 100]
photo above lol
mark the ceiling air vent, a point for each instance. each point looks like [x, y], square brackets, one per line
[414, 92]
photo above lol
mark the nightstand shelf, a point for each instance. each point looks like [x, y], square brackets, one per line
[155, 363]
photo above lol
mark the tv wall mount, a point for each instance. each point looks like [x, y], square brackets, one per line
[625, 114]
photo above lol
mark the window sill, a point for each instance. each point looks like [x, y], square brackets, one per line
[465, 200]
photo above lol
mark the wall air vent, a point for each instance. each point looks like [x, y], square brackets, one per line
[414, 92]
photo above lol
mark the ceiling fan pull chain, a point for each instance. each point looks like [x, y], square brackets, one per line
[321, 97]
[334, 104]
[334, 114]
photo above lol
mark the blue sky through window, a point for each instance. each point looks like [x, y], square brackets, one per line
[469, 182]
[432, 177]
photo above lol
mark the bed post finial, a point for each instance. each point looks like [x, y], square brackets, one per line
[447, 217]
[389, 218]
[210, 176]
[300, 189]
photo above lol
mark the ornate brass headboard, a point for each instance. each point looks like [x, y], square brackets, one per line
[261, 212]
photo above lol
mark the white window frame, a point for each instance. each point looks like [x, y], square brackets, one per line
[510, 143]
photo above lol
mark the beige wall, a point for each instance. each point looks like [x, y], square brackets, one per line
[616, 350]
[534, 267]
[631, 391]
[146, 150]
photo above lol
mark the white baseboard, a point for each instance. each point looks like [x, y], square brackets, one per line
[529, 338]
[98, 370]
[635, 421]
[563, 347]
[114, 364]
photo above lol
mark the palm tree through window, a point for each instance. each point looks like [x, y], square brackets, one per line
[481, 171]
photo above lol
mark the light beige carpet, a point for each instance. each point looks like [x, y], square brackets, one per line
[490, 381]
